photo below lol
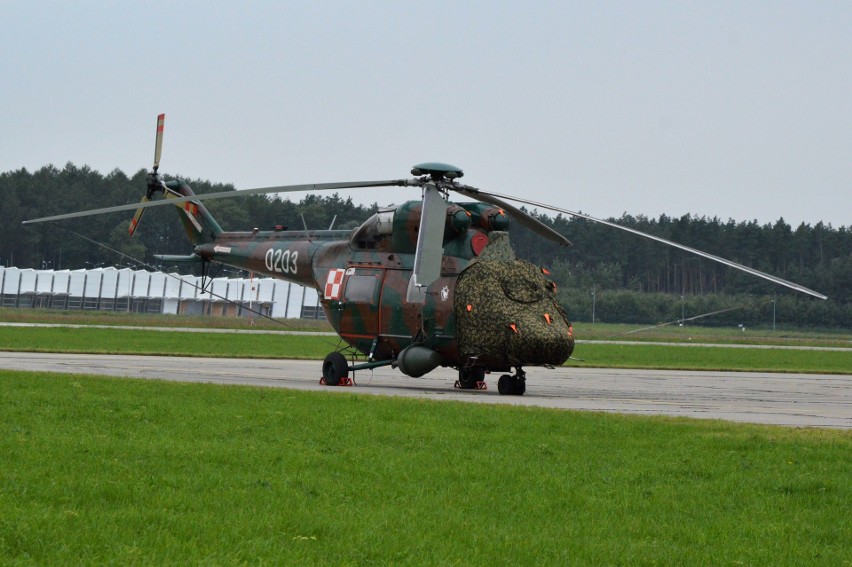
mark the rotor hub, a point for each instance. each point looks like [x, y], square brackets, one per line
[437, 171]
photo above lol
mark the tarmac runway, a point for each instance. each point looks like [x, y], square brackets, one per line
[800, 400]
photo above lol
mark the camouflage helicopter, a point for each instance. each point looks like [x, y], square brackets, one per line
[417, 286]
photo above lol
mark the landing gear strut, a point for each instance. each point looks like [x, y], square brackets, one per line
[471, 379]
[514, 385]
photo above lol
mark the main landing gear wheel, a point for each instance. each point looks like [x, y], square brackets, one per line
[334, 368]
[512, 385]
[469, 378]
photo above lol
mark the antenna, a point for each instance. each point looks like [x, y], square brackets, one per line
[304, 224]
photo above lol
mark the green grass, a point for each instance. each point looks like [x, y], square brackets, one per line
[115, 341]
[733, 335]
[584, 330]
[712, 358]
[122, 318]
[108, 471]
[144, 341]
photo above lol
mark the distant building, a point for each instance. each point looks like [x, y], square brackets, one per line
[140, 291]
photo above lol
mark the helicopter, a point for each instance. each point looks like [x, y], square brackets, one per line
[425, 284]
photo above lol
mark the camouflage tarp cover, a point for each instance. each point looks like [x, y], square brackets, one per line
[507, 313]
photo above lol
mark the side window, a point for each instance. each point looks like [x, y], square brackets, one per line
[361, 288]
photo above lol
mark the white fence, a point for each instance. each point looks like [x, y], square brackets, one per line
[110, 289]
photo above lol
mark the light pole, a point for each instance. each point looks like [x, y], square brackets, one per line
[593, 303]
[773, 313]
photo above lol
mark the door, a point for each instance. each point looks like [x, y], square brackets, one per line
[359, 314]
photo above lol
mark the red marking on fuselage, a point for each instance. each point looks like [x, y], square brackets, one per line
[478, 242]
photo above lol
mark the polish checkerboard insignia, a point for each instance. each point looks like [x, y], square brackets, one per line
[333, 284]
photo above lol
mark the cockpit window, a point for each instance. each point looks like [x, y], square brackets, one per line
[361, 288]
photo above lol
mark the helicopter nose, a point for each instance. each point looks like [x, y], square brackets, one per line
[507, 314]
[539, 340]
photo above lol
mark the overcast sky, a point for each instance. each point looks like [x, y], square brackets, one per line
[739, 110]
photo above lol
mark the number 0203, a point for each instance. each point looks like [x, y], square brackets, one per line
[282, 261]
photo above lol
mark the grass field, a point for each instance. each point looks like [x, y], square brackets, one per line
[107, 471]
[713, 358]
[78, 317]
[122, 341]
[584, 331]
[94, 340]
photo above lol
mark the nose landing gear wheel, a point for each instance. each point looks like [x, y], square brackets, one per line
[334, 368]
[470, 378]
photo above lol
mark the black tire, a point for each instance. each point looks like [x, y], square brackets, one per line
[334, 368]
[468, 377]
[511, 385]
[505, 385]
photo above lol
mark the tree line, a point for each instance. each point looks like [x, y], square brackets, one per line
[625, 278]
[71, 244]
[608, 274]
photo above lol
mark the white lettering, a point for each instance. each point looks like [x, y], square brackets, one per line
[281, 261]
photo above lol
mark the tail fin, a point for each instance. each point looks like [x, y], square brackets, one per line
[199, 224]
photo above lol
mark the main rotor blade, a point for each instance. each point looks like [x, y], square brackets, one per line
[225, 194]
[521, 217]
[752, 271]
[158, 144]
[430, 243]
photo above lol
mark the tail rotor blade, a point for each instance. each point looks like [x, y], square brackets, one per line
[158, 145]
[134, 223]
